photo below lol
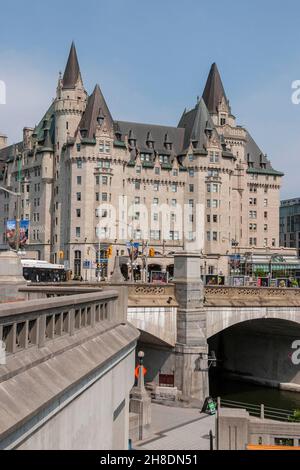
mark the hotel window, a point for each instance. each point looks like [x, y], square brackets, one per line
[77, 231]
[214, 157]
[174, 188]
[208, 236]
[138, 169]
[174, 202]
[155, 234]
[155, 217]
[273, 241]
[265, 202]
[136, 216]
[252, 241]
[78, 146]
[137, 200]
[175, 172]
[191, 172]
[222, 119]
[265, 215]
[208, 203]
[137, 234]
[157, 170]
[215, 236]
[214, 203]
[208, 218]
[137, 185]
[191, 157]
[155, 201]
[107, 147]
[78, 196]
[104, 197]
[79, 164]
[173, 217]
[155, 186]
[265, 242]
[215, 218]
[78, 179]
[104, 180]
[191, 188]
[191, 203]
[97, 197]
[101, 147]
[213, 173]
[174, 235]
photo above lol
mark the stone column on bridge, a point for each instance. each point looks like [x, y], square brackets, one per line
[11, 277]
[191, 351]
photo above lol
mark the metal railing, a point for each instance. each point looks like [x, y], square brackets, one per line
[259, 411]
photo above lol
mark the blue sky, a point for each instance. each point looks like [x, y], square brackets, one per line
[151, 59]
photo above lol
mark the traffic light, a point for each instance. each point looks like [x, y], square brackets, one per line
[151, 252]
[110, 252]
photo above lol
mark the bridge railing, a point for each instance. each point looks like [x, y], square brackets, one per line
[33, 323]
[259, 411]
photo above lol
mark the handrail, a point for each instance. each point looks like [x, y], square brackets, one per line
[257, 410]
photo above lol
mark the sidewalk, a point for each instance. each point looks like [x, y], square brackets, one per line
[178, 429]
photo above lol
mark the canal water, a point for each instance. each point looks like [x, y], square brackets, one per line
[253, 394]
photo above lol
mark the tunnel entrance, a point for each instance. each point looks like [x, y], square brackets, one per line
[258, 361]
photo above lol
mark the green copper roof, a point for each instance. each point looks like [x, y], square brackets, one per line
[264, 171]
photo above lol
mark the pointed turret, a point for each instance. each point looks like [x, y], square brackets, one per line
[72, 72]
[96, 114]
[198, 126]
[214, 91]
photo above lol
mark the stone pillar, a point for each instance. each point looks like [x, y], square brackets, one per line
[11, 277]
[140, 403]
[191, 350]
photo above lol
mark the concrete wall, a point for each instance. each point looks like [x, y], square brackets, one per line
[96, 419]
[158, 321]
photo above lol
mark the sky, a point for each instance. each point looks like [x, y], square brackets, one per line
[151, 60]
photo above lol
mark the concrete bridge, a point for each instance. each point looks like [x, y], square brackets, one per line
[68, 370]
[253, 331]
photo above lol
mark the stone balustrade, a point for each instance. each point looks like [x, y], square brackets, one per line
[31, 324]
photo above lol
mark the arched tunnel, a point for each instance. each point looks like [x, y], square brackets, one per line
[259, 351]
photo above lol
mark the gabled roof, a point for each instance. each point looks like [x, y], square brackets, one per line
[72, 71]
[214, 91]
[95, 107]
[197, 123]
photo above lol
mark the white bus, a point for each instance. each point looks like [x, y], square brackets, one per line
[42, 271]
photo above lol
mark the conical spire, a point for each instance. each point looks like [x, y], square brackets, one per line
[214, 90]
[96, 108]
[72, 71]
[198, 126]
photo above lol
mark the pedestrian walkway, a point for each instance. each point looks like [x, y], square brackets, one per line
[178, 429]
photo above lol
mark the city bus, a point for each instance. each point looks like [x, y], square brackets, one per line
[42, 271]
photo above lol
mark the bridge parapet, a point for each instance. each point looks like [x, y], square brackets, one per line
[30, 324]
[224, 296]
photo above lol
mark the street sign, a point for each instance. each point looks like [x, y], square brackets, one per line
[137, 371]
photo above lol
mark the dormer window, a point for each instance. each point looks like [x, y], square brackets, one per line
[100, 118]
[249, 161]
[83, 133]
[222, 119]
[164, 159]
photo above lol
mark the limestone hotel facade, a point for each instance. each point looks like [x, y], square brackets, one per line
[80, 156]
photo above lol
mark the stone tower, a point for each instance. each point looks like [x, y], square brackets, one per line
[69, 105]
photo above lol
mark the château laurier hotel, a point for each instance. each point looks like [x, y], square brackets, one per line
[79, 157]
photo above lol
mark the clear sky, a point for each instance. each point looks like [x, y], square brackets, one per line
[151, 59]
